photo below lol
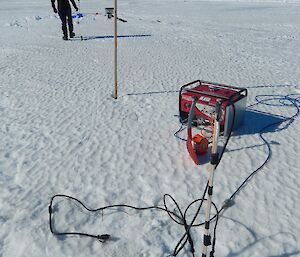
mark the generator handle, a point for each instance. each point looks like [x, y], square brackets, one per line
[240, 92]
[182, 87]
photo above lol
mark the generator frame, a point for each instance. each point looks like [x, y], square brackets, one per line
[226, 102]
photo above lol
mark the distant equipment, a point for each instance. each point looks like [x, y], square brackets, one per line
[207, 95]
[109, 12]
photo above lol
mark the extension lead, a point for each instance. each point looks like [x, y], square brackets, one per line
[292, 99]
[102, 238]
[180, 218]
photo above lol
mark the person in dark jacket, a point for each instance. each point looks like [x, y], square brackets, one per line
[65, 14]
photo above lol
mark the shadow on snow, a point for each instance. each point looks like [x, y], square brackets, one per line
[109, 37]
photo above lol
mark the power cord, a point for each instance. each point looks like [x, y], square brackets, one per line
[179, 219]
[292, 101]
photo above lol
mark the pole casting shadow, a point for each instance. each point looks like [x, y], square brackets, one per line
[153, 92]
[108, 37]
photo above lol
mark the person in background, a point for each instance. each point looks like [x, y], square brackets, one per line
[65, 14]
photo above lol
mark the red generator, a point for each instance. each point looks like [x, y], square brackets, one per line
[208, 94]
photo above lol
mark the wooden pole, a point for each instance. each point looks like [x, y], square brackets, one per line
[115, 51]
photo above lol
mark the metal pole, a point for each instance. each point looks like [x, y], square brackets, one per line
[115, 51]
[213, 163]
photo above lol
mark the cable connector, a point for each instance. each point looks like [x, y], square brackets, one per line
[207, 240]
[103, 238]
[214, 158]
[228, 203]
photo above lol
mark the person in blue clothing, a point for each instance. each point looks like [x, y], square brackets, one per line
[65, 14]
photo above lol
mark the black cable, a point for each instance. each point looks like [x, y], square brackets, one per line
[180, 245]
[179, 219]
[182, 127]
[294, 102]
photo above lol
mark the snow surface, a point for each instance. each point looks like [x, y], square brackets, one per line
[61, 131]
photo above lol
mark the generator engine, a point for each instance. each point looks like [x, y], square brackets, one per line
[208, 94]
